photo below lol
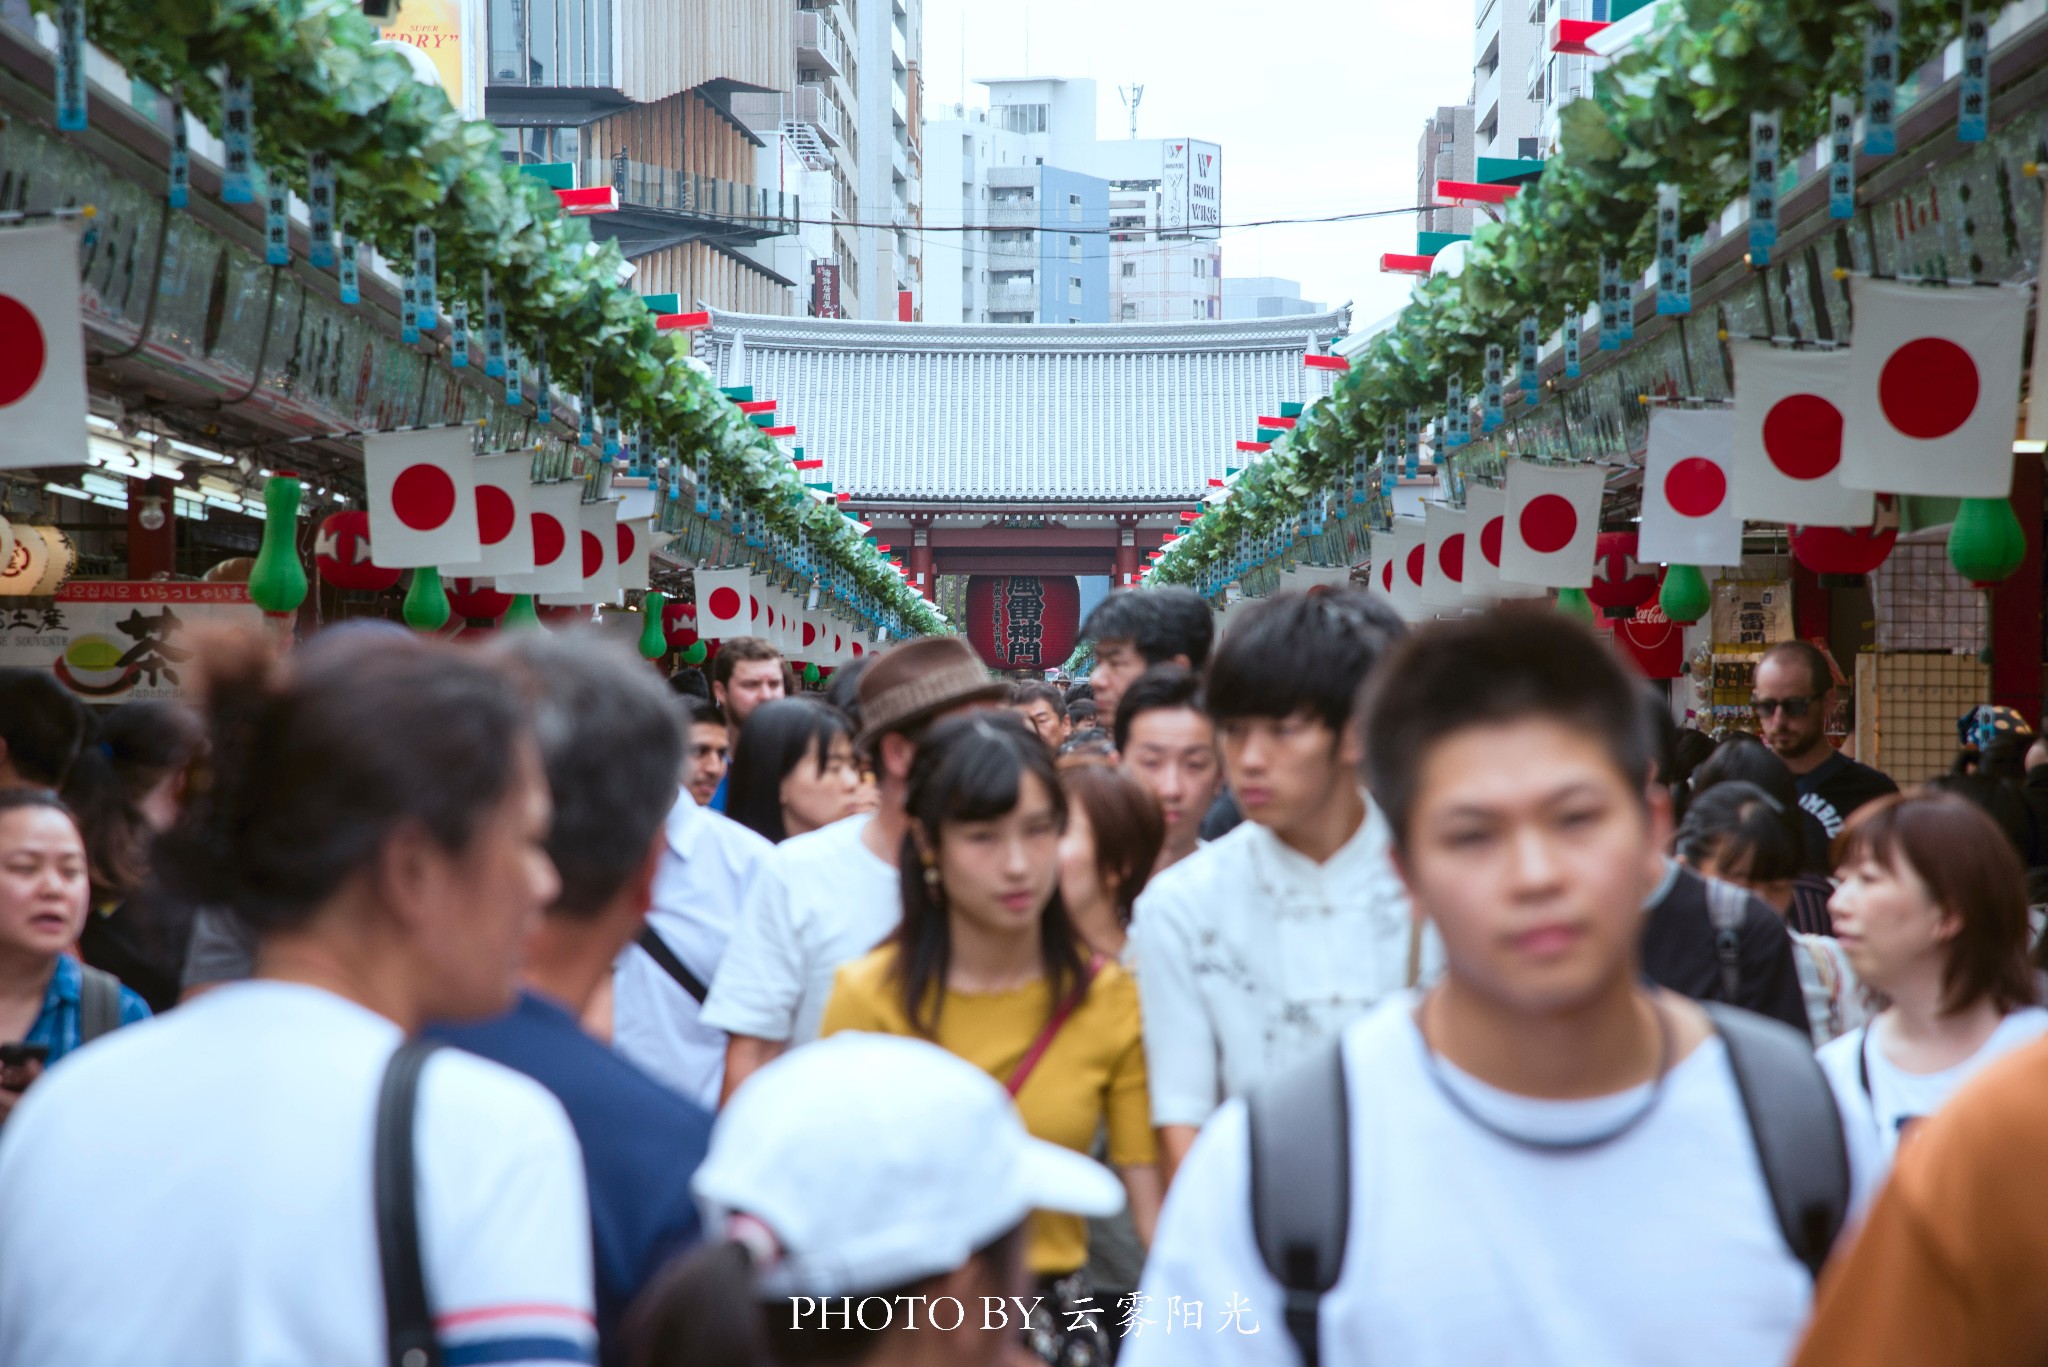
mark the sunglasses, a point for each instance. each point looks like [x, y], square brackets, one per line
[1795, 708]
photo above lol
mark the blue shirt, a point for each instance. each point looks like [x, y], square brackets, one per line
[717, 802]
[641, 1145]
[56, 1025]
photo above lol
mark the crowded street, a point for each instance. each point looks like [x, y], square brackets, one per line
[679, 690]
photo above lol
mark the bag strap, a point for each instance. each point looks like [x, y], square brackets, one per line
[1022, 1071]
[99, 1003]
[1796, 1126]
[1727, 907]
[1300, 1129]
[658, 950]
[408, 1319]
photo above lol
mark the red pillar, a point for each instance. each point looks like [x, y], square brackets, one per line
[2016, 605]
[922, 577]
[151, 553]
[1126, 574]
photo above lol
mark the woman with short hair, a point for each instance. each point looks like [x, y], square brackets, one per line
[794, 769]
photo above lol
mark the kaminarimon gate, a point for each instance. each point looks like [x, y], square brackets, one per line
[1022, 470]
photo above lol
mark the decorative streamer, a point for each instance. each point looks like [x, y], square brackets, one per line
[1617, 305]
[237, 185]
[428, 308]
[1361, 474]
[1763, 185]
[1674, 288]
[703, 484]
[1414, 443]
[1532, 341]
[277, 219]
[1454, 404]
[180, 192]
[611, 434]
[70, 86]
[1881, 81]
[458, 335]
[320, 209]
[1495, 381]
[1573, 318]
[513, 363]
[494, 330]
[586, 418]
[543, 401]
[409, 309]
[351, 267]
[1973, 108]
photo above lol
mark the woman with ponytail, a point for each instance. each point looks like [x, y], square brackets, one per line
[988, 964]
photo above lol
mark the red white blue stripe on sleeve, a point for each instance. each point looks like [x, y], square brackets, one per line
[514, 1334]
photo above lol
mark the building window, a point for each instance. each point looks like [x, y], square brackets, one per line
[1073, 289]
[1074, 207]
[1198, 309]
[1073, 248]
[1130, 313]
[1022, 118]
[1130, 270]
[1201, 267]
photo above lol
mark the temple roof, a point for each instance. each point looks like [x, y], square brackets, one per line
[1024, 414]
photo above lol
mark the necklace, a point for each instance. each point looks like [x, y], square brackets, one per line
[1433, 1066]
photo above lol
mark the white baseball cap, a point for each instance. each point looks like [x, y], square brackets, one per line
[876, 1160]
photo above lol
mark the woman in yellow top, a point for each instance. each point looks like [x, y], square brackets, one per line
[987, 965]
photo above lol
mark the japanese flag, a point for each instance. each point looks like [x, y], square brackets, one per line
[724, 599]
[1445, 546]
[1486, 511]
[504, 504]
[1789, 408]
[1552, 519]
[1688, 510]
[1398, 560]
[42, 348]
[595, 556]
[554, 521]
[635, 536]
[1934, 389]
[422, 498]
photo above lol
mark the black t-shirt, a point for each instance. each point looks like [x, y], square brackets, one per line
[1838, 787]
[1678, 953]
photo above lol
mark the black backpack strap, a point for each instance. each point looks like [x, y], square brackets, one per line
[1796, 1126]
[1301, 1183]
[658, 950]
[99, 1003]
[408, 1319]
[1727, 907]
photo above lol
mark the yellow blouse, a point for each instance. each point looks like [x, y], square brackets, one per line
[1093, 1070]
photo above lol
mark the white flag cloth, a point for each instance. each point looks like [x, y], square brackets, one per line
[596, 556]
[1443, 560]
[1551, 522]
[555, 520]
[42, 348]
[1935, 389]
[1688, 509]
[724, 599]
[1789, 408]
[1486, 510]
[504, 504]
[421, 489]
[636, 544]
[1401, 554]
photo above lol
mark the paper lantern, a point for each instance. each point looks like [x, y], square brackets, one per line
[1841, 556]
[521, 613]
[1022, 621]
[1686, 597]
[679, 623]
[478, 600]
[277, 583]
[1987, 543]
[41, 559]
[1620, 584]
[426, 602]
[341, 551]
[1574, 603]
[653, 640]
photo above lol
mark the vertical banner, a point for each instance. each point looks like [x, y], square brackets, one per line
[494, 330]
[1532, 341]
[611, 434]
[277, 219]
[1413, 437]
[237, 183]
[1617, 305]
[586, 418]
[70, 82]
[1572, 321]
[1881, 80]
[458, 335]
[180, 192]
[1495, 380]
[514, 362]
[349, 277]
[428, 308]
[1973, 95]
[703, 483]
[1454, 404]
[409, 308]
[1841, 157]
[320, 209]
[1763, 185]
[543, 404]
[1674, 283]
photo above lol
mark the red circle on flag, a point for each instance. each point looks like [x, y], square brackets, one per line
[1387, 576]
[1803, 436]
[1928, 388]
[593, 555]
[1695, 486]
[1450, 558]
[22, 351]
[423, 496]
[754, 609]
[549, 540]
[724, 604]
[1549, 522]
[810, 635]
[1489, 540]
[494, 514]
[1416, 564]
[627, 540]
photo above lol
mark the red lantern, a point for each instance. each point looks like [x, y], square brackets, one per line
[477, 600]
[1841, 556]
[341, 548]
[1023, 621]
[679, 624]
[1620, 583]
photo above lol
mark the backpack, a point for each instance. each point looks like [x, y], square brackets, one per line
[1301, 1158]
[99, 1003]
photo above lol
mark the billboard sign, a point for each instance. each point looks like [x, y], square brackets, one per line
[824, 289]
[112, 641]
[1190, 186]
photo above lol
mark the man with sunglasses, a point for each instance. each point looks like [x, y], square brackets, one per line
[1795, 691]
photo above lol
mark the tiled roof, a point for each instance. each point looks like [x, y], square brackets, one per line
[1029, 414]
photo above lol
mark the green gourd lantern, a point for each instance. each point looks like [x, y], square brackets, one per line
[696, 653]
[426, 601]
[277, 581]
[521, 613]
[1986, 542]
[811, 674]
[653, 640]
[1685, 597]
[1575, 603]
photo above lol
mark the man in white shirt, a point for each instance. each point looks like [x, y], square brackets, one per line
[1169, 744]
[827, 897]
[1549, 1161]
[710, 749]
[1260, 945]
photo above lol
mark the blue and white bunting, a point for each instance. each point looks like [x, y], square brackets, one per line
[1973, 94]
[277, 219]
[70, 76]
[320, 209]
[179, 193]
[1881, 81]
[238, 168]
[1763, 185]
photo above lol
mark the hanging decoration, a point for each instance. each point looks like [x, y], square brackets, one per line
[1763, 185]
[179, 193]
[1573, 319]
[1973, 85]
[1550, 525]
[238, 169]
[1621, 582]
[1674, 280]
[342, 554]
[653, 640]
[476, 600]
[1495, 381]
[504, 509]
[1574, 603]
[349, 277]
[1617, 305]
[1841, 556]
[277, 581]
[1688, 515]
[42, 347]
[277, 219]
[421, 489]
[494, 329]
[1986, 543]
[1527, 374]
[515, 362]
[1685, 596]
[1841, 157]
[426, 601]
[1881, 80]
[1454, 407]
[521, 615]
[427, 309]
[70, 75]
[458, 335]
[1789, 407]
[1412, 436]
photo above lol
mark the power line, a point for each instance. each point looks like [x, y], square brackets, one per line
[1077, 230]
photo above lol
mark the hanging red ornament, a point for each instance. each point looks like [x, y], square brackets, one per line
[679, 624]
[1620, 584]
[1841, 556]
[341, 548]
[477, 600]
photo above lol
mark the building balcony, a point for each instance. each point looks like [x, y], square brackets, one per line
[657, 201]
[813, 104]
[899, 104]
[818, 44]
[1486, 98]
[899, 160]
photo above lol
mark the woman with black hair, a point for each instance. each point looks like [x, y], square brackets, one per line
[1742, 758]
[988, 965]
[793, 770]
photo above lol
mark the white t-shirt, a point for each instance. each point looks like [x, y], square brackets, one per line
[198, 1189]
[702, 883]
[820, 900]
[1896, 1097]
[1466, 1250]
[1249, 954]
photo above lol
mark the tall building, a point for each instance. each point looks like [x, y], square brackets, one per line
[1562, 71]
[1265, 296]
[639, 94]
[1446, 153]
[1507, 38]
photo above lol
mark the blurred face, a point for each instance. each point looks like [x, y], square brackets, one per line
[43, 884]
[1785, 683]
[1081, 884]
[819, 793]
[473, 909]
[1776, 891]
[1533, 855]
[753, 682]
[1889, 924]
[1044, 721]
[1000, 873]
[1117, 666]
[704, 769]
[1285, 770]
[1173, 752]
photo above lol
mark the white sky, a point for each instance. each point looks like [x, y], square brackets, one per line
[1319, 105]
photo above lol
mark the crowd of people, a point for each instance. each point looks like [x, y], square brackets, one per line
[1332, 992]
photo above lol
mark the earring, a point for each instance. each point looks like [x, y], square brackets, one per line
[931, 877]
